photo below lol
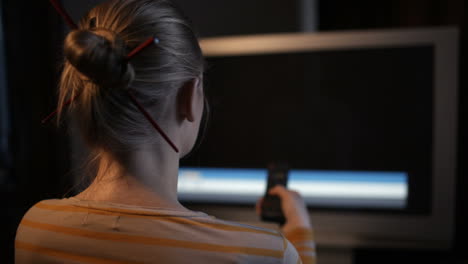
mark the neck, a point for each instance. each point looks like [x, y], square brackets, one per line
[149, 178]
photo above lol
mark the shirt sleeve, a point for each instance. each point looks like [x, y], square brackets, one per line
[303, 240]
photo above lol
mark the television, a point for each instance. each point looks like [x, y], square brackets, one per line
[366, 121]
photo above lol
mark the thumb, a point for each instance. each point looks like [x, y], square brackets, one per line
[279, 190]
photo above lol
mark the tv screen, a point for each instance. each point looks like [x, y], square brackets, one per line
[366, 121]
[354, 125]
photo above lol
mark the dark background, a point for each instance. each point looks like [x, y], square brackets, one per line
[40, 154]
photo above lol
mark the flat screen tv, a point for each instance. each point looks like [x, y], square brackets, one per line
[366, 120]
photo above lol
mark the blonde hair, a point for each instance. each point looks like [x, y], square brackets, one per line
[97, 73]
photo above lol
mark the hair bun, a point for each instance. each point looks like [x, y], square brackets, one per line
[100, 56]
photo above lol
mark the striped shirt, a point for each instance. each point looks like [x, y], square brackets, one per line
[77, 231]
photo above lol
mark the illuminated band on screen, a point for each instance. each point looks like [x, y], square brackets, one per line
[353, 189]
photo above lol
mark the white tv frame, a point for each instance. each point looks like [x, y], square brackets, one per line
[345, 229]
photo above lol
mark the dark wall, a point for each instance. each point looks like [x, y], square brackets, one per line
[39, 153]
[221, 18]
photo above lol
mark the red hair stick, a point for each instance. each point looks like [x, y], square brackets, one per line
[151, 120]
[135, 51]
[64, 14]
[68, 102]
[143, 45]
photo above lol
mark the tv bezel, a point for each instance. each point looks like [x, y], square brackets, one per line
[360, 229]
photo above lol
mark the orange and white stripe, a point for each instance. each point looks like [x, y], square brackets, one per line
[75, 231]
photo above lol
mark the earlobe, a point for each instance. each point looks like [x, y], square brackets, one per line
[187, 100]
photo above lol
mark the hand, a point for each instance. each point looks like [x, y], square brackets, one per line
[293, 206]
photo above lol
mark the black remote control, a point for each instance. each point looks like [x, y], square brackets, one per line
[271, 207]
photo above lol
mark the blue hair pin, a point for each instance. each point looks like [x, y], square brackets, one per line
[149, 41]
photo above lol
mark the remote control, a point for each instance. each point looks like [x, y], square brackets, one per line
[271, 207]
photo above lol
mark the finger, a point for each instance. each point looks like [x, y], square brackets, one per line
[295, 193]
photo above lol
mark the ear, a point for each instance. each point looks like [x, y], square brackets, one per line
[187, 100]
